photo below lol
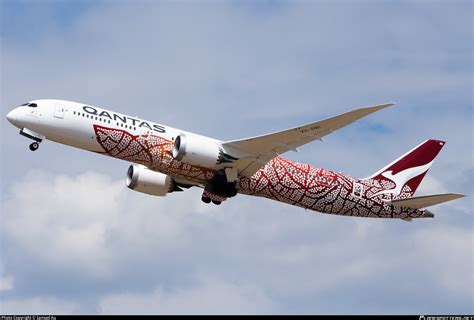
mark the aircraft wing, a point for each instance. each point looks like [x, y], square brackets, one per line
[257, 151]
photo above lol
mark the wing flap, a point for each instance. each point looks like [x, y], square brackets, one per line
[425, 201]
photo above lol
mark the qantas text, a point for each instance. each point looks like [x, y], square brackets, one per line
[124, 119]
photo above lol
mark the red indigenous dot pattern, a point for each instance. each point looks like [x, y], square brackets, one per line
[280, 179]
[212, 196]
[149, 150]
[323, 190]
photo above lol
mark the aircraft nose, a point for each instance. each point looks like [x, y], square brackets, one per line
[12, 116]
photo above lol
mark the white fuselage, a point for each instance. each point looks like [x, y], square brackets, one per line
[168, 159]
[72, 123]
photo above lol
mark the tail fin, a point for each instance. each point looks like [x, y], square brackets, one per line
[405, 173]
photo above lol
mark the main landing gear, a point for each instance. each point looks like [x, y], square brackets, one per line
[223, 185]
[207, 200]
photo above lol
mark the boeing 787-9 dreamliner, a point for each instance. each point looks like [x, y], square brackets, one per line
[166, 160]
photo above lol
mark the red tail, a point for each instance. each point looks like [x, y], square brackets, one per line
[404, 175]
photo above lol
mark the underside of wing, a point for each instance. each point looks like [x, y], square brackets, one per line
[255, 152]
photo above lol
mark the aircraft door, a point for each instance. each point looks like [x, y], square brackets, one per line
[358, 190]
[59, 110]
[144, 133]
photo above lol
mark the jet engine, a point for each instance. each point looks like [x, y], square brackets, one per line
[141, 179]
[197, 151]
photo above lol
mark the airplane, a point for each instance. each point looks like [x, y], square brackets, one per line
[166, 160]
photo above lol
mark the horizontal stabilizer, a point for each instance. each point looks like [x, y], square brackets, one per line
[425, 201]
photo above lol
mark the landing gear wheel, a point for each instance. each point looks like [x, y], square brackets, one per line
[205, 200]
[231, 189]
[34, 146]
[216, 202]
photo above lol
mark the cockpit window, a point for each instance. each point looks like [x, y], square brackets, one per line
[32, 105]
[24, 104]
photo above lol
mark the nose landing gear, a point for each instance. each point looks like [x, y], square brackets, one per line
[34, 146]
[36, 137]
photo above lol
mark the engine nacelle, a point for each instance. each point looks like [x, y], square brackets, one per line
[142, 179]
[197, 151]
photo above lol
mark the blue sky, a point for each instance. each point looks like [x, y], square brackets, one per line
[75, 240]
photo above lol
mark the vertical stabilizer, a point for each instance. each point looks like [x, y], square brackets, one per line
[406, 172]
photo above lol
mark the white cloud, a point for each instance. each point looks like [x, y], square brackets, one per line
[63, 215]
[38, 305]
[454, 243]
[206, 297]
[143, 254]
[431, 185]
[6, 283]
